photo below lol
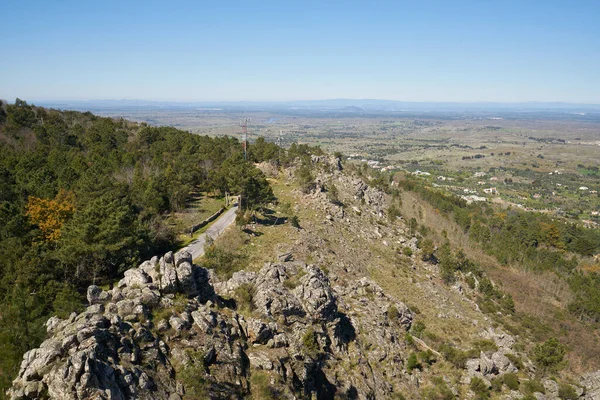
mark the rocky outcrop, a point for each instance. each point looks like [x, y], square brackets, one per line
[111, 350]
[591, 383]
[163, 329]
[490, 365]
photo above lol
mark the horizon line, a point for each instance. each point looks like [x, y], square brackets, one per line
[313, 100]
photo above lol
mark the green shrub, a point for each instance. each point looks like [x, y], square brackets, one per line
[417, 329]
[161, 313]
[67, 300]
[508, 304]
[295, 222]
[529, 397]
[293, 282]
[439, 391]
[497, 384]
[549, 355]
[393, 313]
[192, 376]
[586, 304]
[511, 381]
[485, 345]
[407, 251]
[486, 287]
[532, 386]
[427, 248]
[305, 178]
[470, 281]
[180, 302]
[413, 363]
[223, 262]
[480, 388]
[410, 341]
[487, 306]
[567, 392]
[333, 194]
[393, 213]
[427, 357]
[454, 356]
[515, 360]
[310, 343]
[244, 295]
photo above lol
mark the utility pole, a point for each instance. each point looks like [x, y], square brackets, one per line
[244, 125]
[279, 143]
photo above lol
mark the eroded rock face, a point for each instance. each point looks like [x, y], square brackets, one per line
[272, 298]
[135, 340]
[316, 295]
[591, 383]
[100, 352]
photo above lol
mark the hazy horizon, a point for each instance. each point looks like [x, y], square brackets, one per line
[271, 51]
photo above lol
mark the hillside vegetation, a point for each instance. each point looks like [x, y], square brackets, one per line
[84, 198]
[337, 281]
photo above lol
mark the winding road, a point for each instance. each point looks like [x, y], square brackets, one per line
[196, 248]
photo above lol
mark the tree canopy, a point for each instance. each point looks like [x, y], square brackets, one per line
[83, 198]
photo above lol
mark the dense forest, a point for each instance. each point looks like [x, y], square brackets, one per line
[533, 241]
[83, 198]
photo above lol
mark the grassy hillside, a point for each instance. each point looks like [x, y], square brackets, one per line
[410, 243]
[546, 265]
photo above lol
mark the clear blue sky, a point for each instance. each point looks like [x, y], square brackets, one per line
[451, 50]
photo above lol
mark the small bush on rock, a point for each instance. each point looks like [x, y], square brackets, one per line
[480, 388]
[566, 392]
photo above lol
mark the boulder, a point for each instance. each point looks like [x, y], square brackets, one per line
[260, 361]
[316, 295]
[185, 277]
[204, 319]
[279, 340]
[125, 307]
[135, 278]
[178, 324]
[95, 295]
[486, 365]
[258, 331]
[591, 382]
[152, 269]
[168, 274]
[473, 366]
[551, 388]
[271, 298]
[150, 298]
[183, 256]
[502, 363]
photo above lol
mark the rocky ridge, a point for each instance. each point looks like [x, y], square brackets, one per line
[171, 329]
[167, 315]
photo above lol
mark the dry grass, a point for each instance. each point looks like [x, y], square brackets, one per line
[200, 207]
[542, 295]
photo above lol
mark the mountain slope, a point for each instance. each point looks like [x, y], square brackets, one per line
[342, 307]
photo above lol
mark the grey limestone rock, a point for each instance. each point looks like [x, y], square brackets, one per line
[135, 277]
[316, 295]
[95, 295]
[185, 277]
[591, 382]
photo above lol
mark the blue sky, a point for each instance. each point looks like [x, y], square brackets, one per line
[486, 50]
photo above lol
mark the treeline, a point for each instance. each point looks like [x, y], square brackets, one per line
[83, 198]
[529, 240]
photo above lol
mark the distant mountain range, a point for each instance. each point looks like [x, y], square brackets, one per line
[339, 105]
